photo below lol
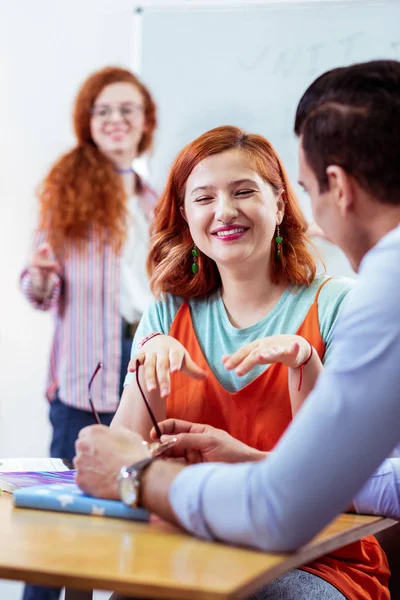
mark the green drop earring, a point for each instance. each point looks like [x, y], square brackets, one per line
[278, 242]
[195, 254]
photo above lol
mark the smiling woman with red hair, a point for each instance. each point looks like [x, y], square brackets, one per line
[242, 312]
[88, 265]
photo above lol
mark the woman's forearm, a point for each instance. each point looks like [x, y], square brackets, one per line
[132, 411]
[303, 378]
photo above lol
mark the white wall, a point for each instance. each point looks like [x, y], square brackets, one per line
[47, 47]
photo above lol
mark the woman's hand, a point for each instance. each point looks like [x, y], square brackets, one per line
[42, 267]
[290, 350]
[202, 443]
[161, 356]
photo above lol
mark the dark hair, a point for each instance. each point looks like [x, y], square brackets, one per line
[350, 117]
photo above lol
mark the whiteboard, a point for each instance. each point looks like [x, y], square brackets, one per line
[249, 66]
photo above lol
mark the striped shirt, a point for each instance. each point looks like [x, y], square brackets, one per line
[85, 301]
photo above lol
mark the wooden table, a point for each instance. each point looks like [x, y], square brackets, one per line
[156, 561]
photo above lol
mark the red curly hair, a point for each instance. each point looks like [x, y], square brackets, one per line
[82, 188]
[169, 261]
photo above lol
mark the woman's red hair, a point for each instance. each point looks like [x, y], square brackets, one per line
[170, 259]
[82, 188]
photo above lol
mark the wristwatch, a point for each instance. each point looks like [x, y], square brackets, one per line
[130, 479]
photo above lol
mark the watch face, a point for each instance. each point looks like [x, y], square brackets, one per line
[127, 489]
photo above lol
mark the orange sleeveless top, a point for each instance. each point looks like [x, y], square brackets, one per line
[258, 414]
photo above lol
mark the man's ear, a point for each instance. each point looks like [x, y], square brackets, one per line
[341, 187]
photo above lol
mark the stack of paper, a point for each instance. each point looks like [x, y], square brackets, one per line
[21, 472]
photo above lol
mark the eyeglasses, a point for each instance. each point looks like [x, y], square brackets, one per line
[96, 414]
[151, 414]
[94, 411]
[127, 112]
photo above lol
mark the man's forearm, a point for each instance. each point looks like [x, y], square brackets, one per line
[156, 484]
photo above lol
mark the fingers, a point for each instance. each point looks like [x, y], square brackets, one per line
[132, 363]
[286, 355]
[157, 367]
[162, 371]
[252, 360]
[176, 357]
[172, 427]
[91, 430]
[45, 246]
[42, 259]
[84, 442]
[186, 442]
[260, 357]
[231, 361]
[263, 352]
[149, 362]
[192, 369]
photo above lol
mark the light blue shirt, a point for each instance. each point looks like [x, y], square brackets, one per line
[217, 336]
[345, 429]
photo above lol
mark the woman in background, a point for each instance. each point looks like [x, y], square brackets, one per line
[88, 264]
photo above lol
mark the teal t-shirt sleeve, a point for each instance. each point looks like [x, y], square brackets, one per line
[158, 317]
[330, 303]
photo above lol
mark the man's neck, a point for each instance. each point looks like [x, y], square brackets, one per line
[385, 220]
[376, 221]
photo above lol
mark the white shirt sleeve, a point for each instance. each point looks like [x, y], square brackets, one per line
[346, 428]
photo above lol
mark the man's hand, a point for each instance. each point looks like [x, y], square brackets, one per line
[203, 443]
[101, 452]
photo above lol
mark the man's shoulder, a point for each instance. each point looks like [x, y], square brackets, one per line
[377, 294]
[384, 256]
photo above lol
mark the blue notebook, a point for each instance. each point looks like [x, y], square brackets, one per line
[68, 497]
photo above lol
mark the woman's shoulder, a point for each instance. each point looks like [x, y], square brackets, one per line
[324, 289]
[333, 292]
[333, 289]
[167, 305]
[165, 308]
[328, 292]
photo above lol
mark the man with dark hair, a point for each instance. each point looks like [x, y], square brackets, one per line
[349, 118]
[348, 123]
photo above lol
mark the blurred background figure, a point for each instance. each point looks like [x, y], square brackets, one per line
[88, 263]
